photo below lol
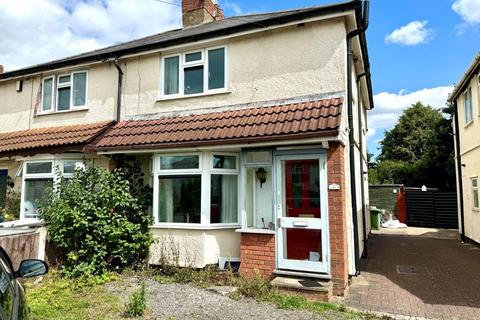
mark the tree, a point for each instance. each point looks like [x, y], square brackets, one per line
[419, 149]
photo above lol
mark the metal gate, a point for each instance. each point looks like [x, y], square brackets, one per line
[431, 208]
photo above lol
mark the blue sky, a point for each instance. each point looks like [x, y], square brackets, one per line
[418, 48]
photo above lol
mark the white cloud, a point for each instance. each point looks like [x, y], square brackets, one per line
[389, 106]
[42, 30]
[411, 34]
[469, 10]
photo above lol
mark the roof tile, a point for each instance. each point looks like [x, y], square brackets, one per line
[50, 137]
[245, 125]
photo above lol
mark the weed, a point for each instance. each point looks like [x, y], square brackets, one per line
[138, 303]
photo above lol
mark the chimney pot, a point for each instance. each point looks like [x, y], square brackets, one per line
[196, 12]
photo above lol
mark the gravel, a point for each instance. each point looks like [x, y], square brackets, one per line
[184, 301]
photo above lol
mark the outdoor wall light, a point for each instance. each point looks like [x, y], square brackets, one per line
[261, 175]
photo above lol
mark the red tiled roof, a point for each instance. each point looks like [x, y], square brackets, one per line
[20, 141]
[288, 121]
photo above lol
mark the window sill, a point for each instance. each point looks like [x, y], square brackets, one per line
[193, 227]
[61, 112]
[258, 231]
[197, 95]
[468, 124]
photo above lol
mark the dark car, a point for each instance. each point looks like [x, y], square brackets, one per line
[13, 304]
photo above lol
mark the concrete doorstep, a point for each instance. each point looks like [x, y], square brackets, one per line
[311, 289]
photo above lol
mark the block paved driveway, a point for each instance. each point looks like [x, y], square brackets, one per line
[415, 275]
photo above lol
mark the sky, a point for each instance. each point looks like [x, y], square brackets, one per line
[418, 48]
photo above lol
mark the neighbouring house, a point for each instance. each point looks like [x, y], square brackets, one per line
[252, 130]
[465, 100]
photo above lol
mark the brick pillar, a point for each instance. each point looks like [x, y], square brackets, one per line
[257, 254]
[337, 218]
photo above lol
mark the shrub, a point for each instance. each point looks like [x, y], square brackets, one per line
[11, 210]
[97, 222]
[138, 303]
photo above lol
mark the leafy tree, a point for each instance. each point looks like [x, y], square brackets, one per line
[419, 149]
[98, 222]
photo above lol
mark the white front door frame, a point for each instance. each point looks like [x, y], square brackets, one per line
[282, 222]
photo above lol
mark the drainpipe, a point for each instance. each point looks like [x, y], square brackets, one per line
[362, 185]
[351, 133]
[119, 90]
[459, 169]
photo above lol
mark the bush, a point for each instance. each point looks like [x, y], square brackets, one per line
[97, 222]
[137, 304]
[11, 210]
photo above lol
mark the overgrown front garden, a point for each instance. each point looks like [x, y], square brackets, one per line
[99, 222]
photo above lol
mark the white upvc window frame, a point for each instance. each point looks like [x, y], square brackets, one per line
[52, 100]
[57, 85]
[53, 174]
[182, 64]
[205, 170]
[468, 93]
[244, 185]
[478, 94]
[474, 190]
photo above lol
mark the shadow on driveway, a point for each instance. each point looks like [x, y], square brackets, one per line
[419, 275]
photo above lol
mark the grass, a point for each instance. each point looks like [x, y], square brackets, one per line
[64, 299]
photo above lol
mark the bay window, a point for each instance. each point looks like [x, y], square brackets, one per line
[38, 176]
[196, 189]
[259, 190]
[64, 92]
[195, 72]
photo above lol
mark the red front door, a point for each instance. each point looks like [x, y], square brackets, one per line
[302, 199]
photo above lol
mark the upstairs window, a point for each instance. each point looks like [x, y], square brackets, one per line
[467, 104]
[195, 72]
[64, 92]
[475, 198]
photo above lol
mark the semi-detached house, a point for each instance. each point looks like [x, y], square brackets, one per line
[251, 128]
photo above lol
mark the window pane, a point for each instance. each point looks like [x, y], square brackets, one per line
[79, 88]
[468, 106]
[64, 79]
[34, 193]
[194, 80]
[180, 198]
[47, 94]
[179, 162]
[39, 167]
[258, 157]
[224, 199]
[216, 68]
[475, 198]
[3, 187]
[259, 198]
[171, 75]
[195, 56]
[474, 182]
[63, 99]
[224, 162]
[69, 167]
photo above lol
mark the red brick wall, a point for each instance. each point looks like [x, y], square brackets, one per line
[257, 251]
[337, 219]
[257, 254]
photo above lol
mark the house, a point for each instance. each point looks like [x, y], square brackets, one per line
[465, 100]
[252, 130]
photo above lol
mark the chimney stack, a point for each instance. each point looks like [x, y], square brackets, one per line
[196, 12]
[1, 69]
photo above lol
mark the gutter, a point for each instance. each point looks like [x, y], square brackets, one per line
[362, 184]
[459, 170]
[363, 23]
[119, 90]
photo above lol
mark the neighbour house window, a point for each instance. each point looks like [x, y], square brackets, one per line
[259, 190]
[475, 196]
[468, 106]
[195, 72]
[38, 176]
[64, 92]
[197, 188]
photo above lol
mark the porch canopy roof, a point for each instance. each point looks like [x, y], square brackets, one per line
[285, 121]
[51, 139]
